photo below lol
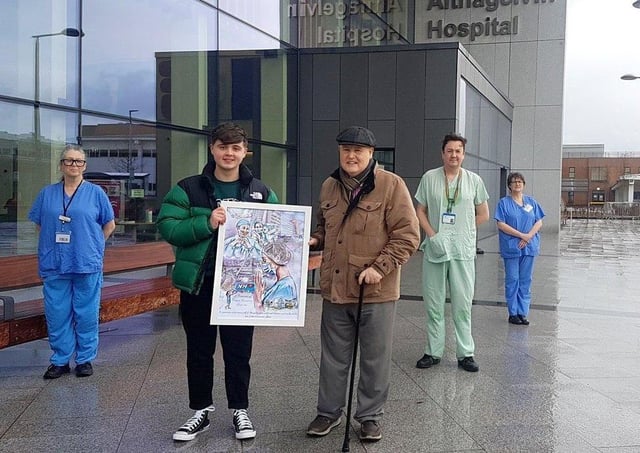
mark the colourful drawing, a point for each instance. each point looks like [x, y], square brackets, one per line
[262, 276]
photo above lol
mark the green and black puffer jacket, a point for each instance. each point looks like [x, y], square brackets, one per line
[183, 221]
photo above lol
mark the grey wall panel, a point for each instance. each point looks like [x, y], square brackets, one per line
[326, 87]
[305, 116]
[435, 130]
[382, 86]
[354, 74]
[441, 84]
[306, 196]
[385, 132]
[410, 95]
[412, 185]
[325, 152]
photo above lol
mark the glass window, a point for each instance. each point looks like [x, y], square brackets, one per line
[40, 51]
[350, 24]
[627, 170]
[264, 15]
[488, 150]
[598, 173]
[119, 69]
[28, 162]
[572, 172]
[385, 157]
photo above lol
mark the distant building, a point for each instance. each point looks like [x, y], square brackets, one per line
[590, 176]
[120, 151]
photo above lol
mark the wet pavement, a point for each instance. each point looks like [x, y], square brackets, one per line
[569, 382]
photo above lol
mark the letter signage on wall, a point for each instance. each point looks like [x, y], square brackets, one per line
[348, 23]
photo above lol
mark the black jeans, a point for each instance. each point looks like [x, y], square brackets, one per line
[237, 341]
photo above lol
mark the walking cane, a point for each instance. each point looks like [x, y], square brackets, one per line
[345, 443]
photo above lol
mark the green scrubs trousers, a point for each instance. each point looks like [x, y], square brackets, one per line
[460, 275]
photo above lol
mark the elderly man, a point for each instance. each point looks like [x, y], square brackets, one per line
[367, 229]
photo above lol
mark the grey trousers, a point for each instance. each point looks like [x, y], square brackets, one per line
[337, 334]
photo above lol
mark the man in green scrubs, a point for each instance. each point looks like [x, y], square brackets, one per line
[452, 202]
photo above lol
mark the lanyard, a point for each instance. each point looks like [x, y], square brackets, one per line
[66, 206]
[451, 201]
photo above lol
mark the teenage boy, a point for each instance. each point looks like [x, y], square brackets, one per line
[189, 219]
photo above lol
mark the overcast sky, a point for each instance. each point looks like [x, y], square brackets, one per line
[602, 43]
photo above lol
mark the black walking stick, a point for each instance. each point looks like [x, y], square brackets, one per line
[345, 443]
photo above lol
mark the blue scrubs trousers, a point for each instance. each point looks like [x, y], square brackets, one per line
[72, 307]
[518, 273]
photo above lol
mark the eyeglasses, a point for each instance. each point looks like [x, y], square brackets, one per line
[70, 162]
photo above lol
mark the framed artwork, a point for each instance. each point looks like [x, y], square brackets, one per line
[261, 265]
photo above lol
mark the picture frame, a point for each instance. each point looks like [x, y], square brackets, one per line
[260, 275]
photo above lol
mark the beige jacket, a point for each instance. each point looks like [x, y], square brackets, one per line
[381, 231]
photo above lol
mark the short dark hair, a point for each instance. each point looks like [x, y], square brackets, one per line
[453, 137]
[513, 176]
[229, 133]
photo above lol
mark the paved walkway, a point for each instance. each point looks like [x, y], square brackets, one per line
[569, 382]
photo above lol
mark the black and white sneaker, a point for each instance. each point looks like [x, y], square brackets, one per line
[198, 423]
[242, 424]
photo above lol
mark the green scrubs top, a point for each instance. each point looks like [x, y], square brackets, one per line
[455, 240]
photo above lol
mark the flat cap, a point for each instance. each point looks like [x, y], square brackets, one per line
[356, 135]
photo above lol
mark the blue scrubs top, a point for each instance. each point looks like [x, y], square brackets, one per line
[89, 210]
[282, 292]
[522, 218]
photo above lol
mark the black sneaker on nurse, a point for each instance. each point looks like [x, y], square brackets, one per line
[198, 423]
[242, 424]
[468, 364]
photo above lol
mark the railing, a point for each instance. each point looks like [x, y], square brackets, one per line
[609, 210]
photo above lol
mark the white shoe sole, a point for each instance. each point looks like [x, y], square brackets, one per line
[246, 434]
[183, 437]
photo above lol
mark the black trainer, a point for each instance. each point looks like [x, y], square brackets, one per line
[515, 319]
[84, 369]
[197, 424]
[468, 364]
[55, 371]
[242, 424]
[427, 361]
[523, 320]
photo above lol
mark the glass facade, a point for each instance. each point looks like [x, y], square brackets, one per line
[139, 85]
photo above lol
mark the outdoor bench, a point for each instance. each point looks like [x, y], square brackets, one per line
[24, 321]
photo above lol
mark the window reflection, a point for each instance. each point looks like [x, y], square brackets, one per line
[154, 81]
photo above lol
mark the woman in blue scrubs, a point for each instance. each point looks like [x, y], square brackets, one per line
[74, 218]
[519, 219]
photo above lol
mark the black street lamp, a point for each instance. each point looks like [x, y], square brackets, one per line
[131, 169]
[70, 32]
[630, 76]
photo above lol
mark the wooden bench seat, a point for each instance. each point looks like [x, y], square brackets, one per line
[27, 322]
[24, 321]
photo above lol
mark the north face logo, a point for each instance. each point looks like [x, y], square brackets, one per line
[256, 195]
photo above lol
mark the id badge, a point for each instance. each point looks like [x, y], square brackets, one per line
[448, 218]
[63, 238]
